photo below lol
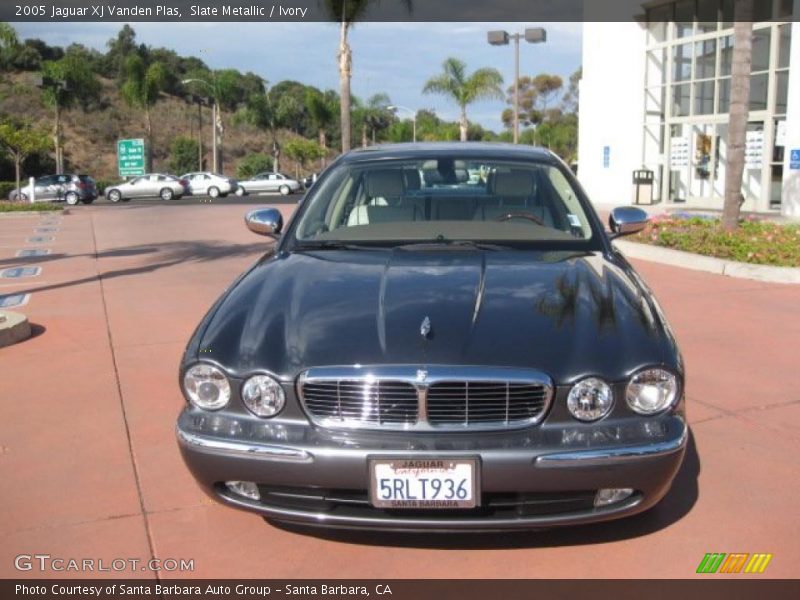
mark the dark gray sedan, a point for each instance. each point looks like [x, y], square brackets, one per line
[426, 350]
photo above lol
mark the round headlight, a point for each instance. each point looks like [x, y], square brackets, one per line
[263, 396]
[207, 387]
[652, 391]
[590, 399]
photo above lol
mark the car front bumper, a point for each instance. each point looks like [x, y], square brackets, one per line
[319, 477]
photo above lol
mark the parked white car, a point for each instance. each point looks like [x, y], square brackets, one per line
[152, 185]
[206, 183]
[269, 182]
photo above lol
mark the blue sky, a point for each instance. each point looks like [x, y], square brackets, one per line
[395, 58]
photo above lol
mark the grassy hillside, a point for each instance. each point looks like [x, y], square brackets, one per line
[90, 137]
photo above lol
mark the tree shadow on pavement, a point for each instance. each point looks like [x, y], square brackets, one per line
[672, 508]
[161, 256]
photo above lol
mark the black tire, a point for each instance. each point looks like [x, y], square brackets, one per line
[88, 200]
[166, 194]
[71, 198]
[240, 191]
[114, 195]
[213, 191]
[284, 190]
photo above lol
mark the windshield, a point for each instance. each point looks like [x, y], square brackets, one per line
[447, 198]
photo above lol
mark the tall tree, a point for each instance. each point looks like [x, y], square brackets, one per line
[20, 139]
[321, 110]
[259, 110]
[65, 82]
[347, 12]
[453, 82]
[141, 88]
[8, 35]
[738, 112]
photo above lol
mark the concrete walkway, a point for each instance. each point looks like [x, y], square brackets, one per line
[90, 468]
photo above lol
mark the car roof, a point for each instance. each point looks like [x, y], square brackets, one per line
[485, 150]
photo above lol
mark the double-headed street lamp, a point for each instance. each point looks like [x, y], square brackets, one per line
[394, 107]
[532, 35]
[214, 118]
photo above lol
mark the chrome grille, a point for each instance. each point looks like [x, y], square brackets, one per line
[424, 398]
[360, 401]
[473, 402]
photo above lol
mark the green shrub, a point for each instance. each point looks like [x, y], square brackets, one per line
[6, 206]
[183, 155]
[6, 187]
[759, 242]
[252, 164]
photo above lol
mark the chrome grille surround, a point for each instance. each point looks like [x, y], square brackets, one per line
[420, 398]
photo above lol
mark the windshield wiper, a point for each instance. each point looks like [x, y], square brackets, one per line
[332, 245]
[451, 244]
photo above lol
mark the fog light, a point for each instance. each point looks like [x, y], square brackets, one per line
[248, 489]
[607, 496]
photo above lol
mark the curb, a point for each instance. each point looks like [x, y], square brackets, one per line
[709, 264]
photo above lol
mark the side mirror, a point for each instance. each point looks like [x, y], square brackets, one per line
[265, 221]
[625, 220]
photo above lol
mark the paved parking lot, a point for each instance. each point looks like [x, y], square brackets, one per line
[90, 467]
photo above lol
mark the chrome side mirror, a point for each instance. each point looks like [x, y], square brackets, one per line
[265, 221]
[625, 220]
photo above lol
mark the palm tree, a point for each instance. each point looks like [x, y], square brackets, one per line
[142, 87]
[483, 84]
[738, 112]
[346, 12]
[321, 108]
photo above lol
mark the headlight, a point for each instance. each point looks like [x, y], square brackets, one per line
[207, 387]
[652, 391]
[263, 396]
[590, 399]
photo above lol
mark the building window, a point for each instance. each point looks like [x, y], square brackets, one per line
[704, 98]
[758, 91]
[682, 62]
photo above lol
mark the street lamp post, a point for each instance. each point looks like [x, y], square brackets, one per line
[532, 35]
[394, 107]
[214, 115]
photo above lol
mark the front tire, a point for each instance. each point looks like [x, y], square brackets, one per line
[114, 195]
[167, 194]
[284, 190]
[213, 192]
[240, 191]
[71, 198]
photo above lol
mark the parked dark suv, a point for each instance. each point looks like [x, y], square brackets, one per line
[71, 188]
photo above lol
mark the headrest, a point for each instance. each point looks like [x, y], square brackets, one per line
[515, 182]
[413, 180]
[384, 183]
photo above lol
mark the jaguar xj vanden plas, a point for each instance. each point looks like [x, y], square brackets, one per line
[443, 337]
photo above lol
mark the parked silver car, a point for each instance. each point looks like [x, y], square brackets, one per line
[269, 182]
[151, 185]
[205, 183]
[71, 188]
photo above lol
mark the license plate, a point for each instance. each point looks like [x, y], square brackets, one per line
[424, 483]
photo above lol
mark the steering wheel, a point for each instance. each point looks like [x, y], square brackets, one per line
[521, 215]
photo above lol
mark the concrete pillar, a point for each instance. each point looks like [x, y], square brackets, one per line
[790, 201]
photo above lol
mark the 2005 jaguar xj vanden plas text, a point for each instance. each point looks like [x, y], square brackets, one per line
[442, 338]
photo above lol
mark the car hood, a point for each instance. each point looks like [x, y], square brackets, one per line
[567, 314]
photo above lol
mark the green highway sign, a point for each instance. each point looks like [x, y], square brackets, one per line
[130, 157]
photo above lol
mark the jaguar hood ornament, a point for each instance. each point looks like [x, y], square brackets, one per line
[425, 328]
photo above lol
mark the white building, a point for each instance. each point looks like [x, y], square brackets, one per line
[655, 96]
